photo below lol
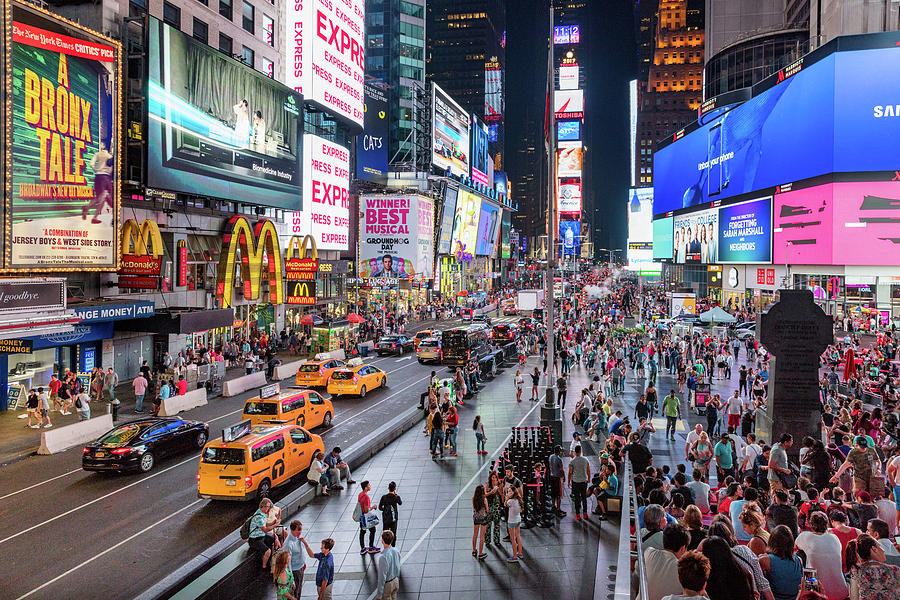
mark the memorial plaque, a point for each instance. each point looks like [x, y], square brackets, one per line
[796, 332]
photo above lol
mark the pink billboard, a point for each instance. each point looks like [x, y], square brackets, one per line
[839, 224]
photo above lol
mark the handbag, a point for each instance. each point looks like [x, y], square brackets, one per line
[481, 517]
[788, 480]
[370, 520]
[357, 513]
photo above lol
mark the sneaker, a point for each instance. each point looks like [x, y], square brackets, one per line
[522, 556]
[374, 550]
[482, 556]
[350, 481]
[337, 487]
[601, 517]
[35, 426]
[512, 559]
[577, 517]
[584, 516]
[48, 425]
[363, 551]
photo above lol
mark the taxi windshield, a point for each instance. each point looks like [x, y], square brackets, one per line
[342, 375]
[309, 368]
[223, 456]
[261, 408]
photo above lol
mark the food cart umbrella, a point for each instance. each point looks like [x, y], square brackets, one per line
[356, 318]
[311, 320]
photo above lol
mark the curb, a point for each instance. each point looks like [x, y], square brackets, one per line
[232, 544]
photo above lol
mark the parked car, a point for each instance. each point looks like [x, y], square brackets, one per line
[394, 344]
[745, 332]
[136, 445]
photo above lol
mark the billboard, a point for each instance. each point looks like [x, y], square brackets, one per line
[567, 34]
[480, 156]
[683, 304]
[569, 196]
[325, 54]
[745, 232]
[632, 123]
[778, 137]
[568, 131]
[570, 237]
[450, 134]
[663, 244]
[568, 77]
[570, 159]
[501, 183]
[326, 196]
[219, 128]
[568, 104]
[465, 223]
[852, 223]
[62, 144]
[505, 226]
[254, 243]
[372, 143]
[396, 237]
[493, 91]
[488, 229]
[447, 218]
[695, 237]
[639, 253]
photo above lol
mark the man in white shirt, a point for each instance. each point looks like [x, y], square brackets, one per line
[661, 566]
[739, 445]
[700, 491]
[751, 451]
[733, 408]
[692, 437]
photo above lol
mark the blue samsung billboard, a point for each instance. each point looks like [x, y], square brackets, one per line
[832, 116]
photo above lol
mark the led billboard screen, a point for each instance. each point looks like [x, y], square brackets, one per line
[450, 134]
[326, 61]
[568, 77]
[567, 34]
[62, 153]
[745, 232]
[488, 228]
[570, 237]
[326, 192]
[505, 225]
[640, 228]
[568, 102]
[493, 92]
[779, 137]
[570, 159]
[480, 156]
[852, 223]
[568, 131]
[695, 237]
[396, 237]
[372, 143]
[663, 245]
[569, 197]
[465, 223]
[218, 127]
[447, 218]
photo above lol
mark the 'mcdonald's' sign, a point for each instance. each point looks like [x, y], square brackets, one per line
[260, 257]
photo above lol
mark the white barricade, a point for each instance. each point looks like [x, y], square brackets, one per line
[62, 438]
[175, 404]
[287, 370]
[239, 385]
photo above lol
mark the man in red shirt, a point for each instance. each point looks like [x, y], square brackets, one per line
[54, 386]
[181, 387]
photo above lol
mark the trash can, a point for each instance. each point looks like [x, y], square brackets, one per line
[363, 350]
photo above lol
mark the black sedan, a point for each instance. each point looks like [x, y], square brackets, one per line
[137, 445]
[394, 344]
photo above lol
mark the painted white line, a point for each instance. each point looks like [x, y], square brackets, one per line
[374, 405]
[234, 412]
[40, 483]
[107, 551]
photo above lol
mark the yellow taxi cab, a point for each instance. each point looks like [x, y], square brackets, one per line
[306, 408]
[315, 373]
[424, 335]
[249, 460]
[357, 380]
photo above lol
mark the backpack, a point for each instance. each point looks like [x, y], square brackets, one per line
[78, 402]
[357, 512]
[245, 529]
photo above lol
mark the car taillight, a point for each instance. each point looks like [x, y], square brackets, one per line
[198, 477]
[248, 481]
[468, 354]
[393, 345]
[85, 450]
[355, 378]
[122, 450]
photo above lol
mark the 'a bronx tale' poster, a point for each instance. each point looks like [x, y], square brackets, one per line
[64, 139]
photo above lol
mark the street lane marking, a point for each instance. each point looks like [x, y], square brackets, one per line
[108, 550]
[453, 502]
[40, 483]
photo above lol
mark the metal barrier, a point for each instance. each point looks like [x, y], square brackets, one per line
[622, 589]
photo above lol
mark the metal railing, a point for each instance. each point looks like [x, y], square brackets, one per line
[631, 549]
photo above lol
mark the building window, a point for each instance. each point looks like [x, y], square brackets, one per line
[172, 15]
[201, 31]
[269, 30]
[225, 44]
[268, 67]
[249, 18]
[247, 56]
[225, 9]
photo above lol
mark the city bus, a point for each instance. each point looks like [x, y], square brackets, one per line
[465, 343]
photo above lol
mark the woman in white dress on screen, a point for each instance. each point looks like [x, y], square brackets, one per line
[242, 124]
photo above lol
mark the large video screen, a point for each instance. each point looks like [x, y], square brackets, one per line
[372, 143]
[493, 92]
[505, 225]
[450, 134]
[570, 159]
[663, 244]
[568, 198]
[63, 167]
[488, 228]
[695, 238]
[853, 223]
[568, 131]
[447, 218]
[480, 156]
[219, 128]
[640, 227]
[780, 136]
[570, 237]
[396, 237]
[465, 223]
[745, 232]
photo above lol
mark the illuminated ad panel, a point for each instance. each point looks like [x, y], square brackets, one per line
[465, 225]
[640, 229]
[324, 54]
[480, 157]
[568, 131]
[569, 195]
[493, 92]
[326, 181]
[570, 237]
[488, 229]
[450, 134]
[570, 161]
[663, 245]
[219, 128]
[745, 232]
[695, 237]
[63, 148]
[568, 77]
[566, 34]
[396, 237]
[568, 104]
[632, 122]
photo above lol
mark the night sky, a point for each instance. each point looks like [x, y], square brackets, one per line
[608, 39]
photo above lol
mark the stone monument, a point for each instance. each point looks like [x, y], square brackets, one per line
[796, 332]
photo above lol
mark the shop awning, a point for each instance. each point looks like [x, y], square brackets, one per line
[183, 321]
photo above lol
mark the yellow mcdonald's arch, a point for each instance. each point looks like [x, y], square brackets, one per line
[137, 237]
[253, 243]
[302, 247]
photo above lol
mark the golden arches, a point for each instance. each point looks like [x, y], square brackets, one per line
[253, 243]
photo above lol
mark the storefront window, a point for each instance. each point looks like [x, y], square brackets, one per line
[31, 371]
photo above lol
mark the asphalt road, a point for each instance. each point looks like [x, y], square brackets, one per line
[66, 533]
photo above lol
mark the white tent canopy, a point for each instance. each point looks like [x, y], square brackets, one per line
[716, 315]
